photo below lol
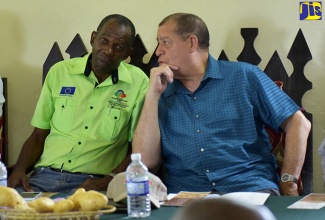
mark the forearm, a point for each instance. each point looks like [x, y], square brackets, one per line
[147, 134]
[297, 129]
[31, 151]
[296, 142]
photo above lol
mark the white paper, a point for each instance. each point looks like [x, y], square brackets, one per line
[306, 205]
[252, 198]
[312, 201]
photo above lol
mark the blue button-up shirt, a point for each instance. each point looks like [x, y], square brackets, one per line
[214, 138]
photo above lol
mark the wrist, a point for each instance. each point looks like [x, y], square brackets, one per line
[152, 97]
[285, 177]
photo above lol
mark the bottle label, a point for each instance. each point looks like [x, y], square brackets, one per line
[137, 188]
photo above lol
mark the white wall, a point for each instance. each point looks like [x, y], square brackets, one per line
[30, 27]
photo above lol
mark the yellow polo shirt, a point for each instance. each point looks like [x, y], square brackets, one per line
[91, 124]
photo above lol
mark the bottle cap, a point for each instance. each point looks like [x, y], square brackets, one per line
[136, 156]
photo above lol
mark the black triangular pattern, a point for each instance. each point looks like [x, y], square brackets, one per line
[54, 56]
[249, 53]
[223, 56]
[76, 48]
[276, 71]
[153, 62]
[299, 55]
[138, 54]
[295, 86]
[139, 50]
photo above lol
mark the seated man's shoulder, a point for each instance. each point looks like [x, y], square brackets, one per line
[73, 65]
[135, 71]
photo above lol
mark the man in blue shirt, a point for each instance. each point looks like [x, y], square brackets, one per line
[205, 119]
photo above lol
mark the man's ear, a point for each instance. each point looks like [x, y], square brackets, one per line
[92, 37]
[194, 41]
[128, 52]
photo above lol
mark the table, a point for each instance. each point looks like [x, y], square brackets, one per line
[277, 204]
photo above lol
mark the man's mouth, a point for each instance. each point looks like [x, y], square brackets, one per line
[161, 62]
[103, 58]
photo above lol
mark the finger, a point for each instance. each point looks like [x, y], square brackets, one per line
[173, 67]
[26, 185]
[167, 77]
[170, 76]
[166, 73]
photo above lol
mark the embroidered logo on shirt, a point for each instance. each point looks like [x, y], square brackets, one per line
[118, 100]
[120, 94]
[65, 90]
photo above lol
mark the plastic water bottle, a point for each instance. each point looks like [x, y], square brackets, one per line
[3, 174]
[137, 183]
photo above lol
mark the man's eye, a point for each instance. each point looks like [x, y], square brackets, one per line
[103, 40]
[119, 47]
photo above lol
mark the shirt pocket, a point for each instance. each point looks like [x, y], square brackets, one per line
[64, 114]
[114, 123]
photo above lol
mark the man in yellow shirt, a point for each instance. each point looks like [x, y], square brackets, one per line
[85, 117]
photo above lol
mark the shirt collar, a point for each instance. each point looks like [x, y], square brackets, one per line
[213, 69]
[84, 67]
[213, 72]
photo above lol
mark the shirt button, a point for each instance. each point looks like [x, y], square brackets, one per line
[207, 171]
[79, 142]
[196, 116]
[91, 107]
[198, 131]
[86, 127]
[69, 161]
[213, 184]
[202, 149]
[194, 98]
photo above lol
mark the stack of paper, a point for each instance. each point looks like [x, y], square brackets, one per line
[312, 201]
[184, 198]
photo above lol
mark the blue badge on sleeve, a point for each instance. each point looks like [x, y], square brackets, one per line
[67, 90]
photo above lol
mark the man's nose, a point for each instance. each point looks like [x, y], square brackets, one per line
[159, 50]
[108, 50]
